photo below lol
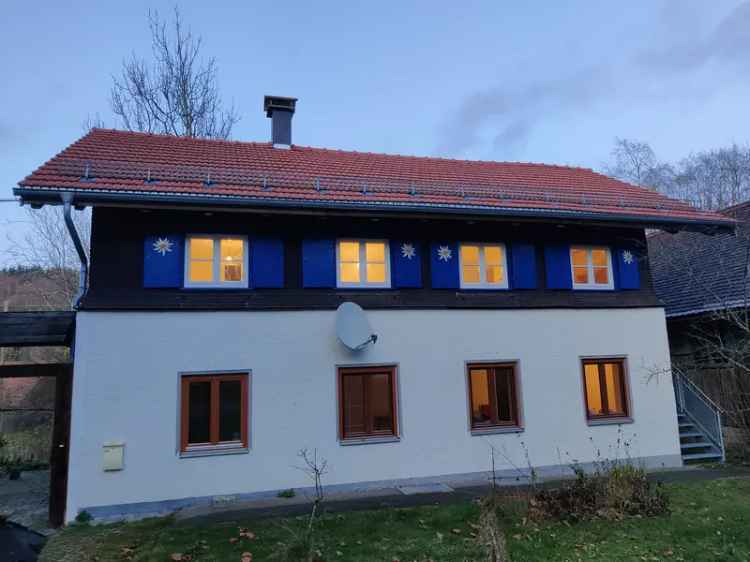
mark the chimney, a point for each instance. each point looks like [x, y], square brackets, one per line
[280, 110]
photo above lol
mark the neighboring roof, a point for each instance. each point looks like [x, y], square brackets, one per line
[140, 167]
[695, 273]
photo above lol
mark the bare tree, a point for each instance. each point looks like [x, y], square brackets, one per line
[177, 93]
[711, 179]
[48, 249]
[92, 122]
[633, 161]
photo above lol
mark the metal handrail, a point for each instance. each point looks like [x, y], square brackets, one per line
[683, 382]
[698, 390]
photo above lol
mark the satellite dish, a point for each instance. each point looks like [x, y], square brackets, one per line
[352, 327]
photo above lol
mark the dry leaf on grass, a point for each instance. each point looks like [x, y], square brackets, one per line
[247, 557]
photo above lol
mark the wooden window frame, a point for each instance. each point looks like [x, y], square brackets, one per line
[392, 371]
[483, 283]
[216, 283]
[363, 264]
[517, 423]
[214, 444]
[624, 388]
[592, 285]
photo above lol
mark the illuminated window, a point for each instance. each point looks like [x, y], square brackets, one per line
[213, 412]
[216, 261]
[606, 390]
[367, 402]
[483, 266]
[363, 263]
[591, 267]
[493, 396]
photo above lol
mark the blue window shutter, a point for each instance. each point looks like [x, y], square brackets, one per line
[444, 265]
[163, 261]
[523, 266]
[318, 263]
[266, 263]
[627, 268]
[557, 264]
[406, 263]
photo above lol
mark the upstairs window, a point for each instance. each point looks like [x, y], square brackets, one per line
[362, 263]
[483, 266]
[592, 267]
[605, 388]
[216, 261]
[214, 412]
[493, 395]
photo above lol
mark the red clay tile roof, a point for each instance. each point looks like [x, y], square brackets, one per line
[134, 166]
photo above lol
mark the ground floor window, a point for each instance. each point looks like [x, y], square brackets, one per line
[493, 395]
[214, 411]
[367, 402]
[606, 391]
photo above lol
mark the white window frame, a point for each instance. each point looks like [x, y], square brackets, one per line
[216, 284]
[363, 265]
[592, 286]
[483, 267]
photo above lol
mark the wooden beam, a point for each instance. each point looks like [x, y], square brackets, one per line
[18, 370]
[24, 329]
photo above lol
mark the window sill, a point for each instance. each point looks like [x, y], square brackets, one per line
[214, 451]
[609, 421]
[592, 288]
[368, 440]
[496, 430]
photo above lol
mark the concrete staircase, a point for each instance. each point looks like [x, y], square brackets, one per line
[695, 444]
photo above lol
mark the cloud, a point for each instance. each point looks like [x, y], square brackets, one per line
[728, 42]
[508, 115]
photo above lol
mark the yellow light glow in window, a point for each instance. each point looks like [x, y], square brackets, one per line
[349, 262]
[232, 259]
[593, 390]
[493, 259]
[201, 268]
[470, 264]
[375, 258]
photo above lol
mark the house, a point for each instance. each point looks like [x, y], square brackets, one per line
[512, 303]
[703, 283]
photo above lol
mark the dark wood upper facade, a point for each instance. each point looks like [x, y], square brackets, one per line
[117, 261]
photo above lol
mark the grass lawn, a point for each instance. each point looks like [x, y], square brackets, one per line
[710, 521]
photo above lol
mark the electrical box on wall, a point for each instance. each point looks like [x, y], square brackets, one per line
[113, 456]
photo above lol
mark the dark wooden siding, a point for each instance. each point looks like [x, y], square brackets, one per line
[116, 281]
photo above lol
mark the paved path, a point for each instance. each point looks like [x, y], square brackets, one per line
[25, 501]
[393, 497]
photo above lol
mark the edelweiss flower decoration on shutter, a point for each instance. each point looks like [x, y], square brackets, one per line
[444, 253]
[627, 256]
[408, 251]
[162, 246]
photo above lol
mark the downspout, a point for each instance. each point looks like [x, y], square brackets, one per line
[67, 199]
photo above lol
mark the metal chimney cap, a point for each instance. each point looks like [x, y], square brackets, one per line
[278, 102]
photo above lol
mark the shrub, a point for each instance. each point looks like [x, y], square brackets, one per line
[618, 491]
[290, 493]
[83, 517]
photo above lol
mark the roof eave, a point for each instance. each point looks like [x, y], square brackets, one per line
[83, 197]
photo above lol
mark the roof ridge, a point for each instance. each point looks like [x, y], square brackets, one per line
[347, 151]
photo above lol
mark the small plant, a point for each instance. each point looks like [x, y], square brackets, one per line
[290, 493]
[302, 545]
[490, 534]
[83, 517]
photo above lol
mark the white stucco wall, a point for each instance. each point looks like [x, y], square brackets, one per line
[126, 389]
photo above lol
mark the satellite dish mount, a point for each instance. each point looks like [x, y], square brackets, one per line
[352, 327]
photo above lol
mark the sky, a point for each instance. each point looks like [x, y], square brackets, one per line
[537, 81]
